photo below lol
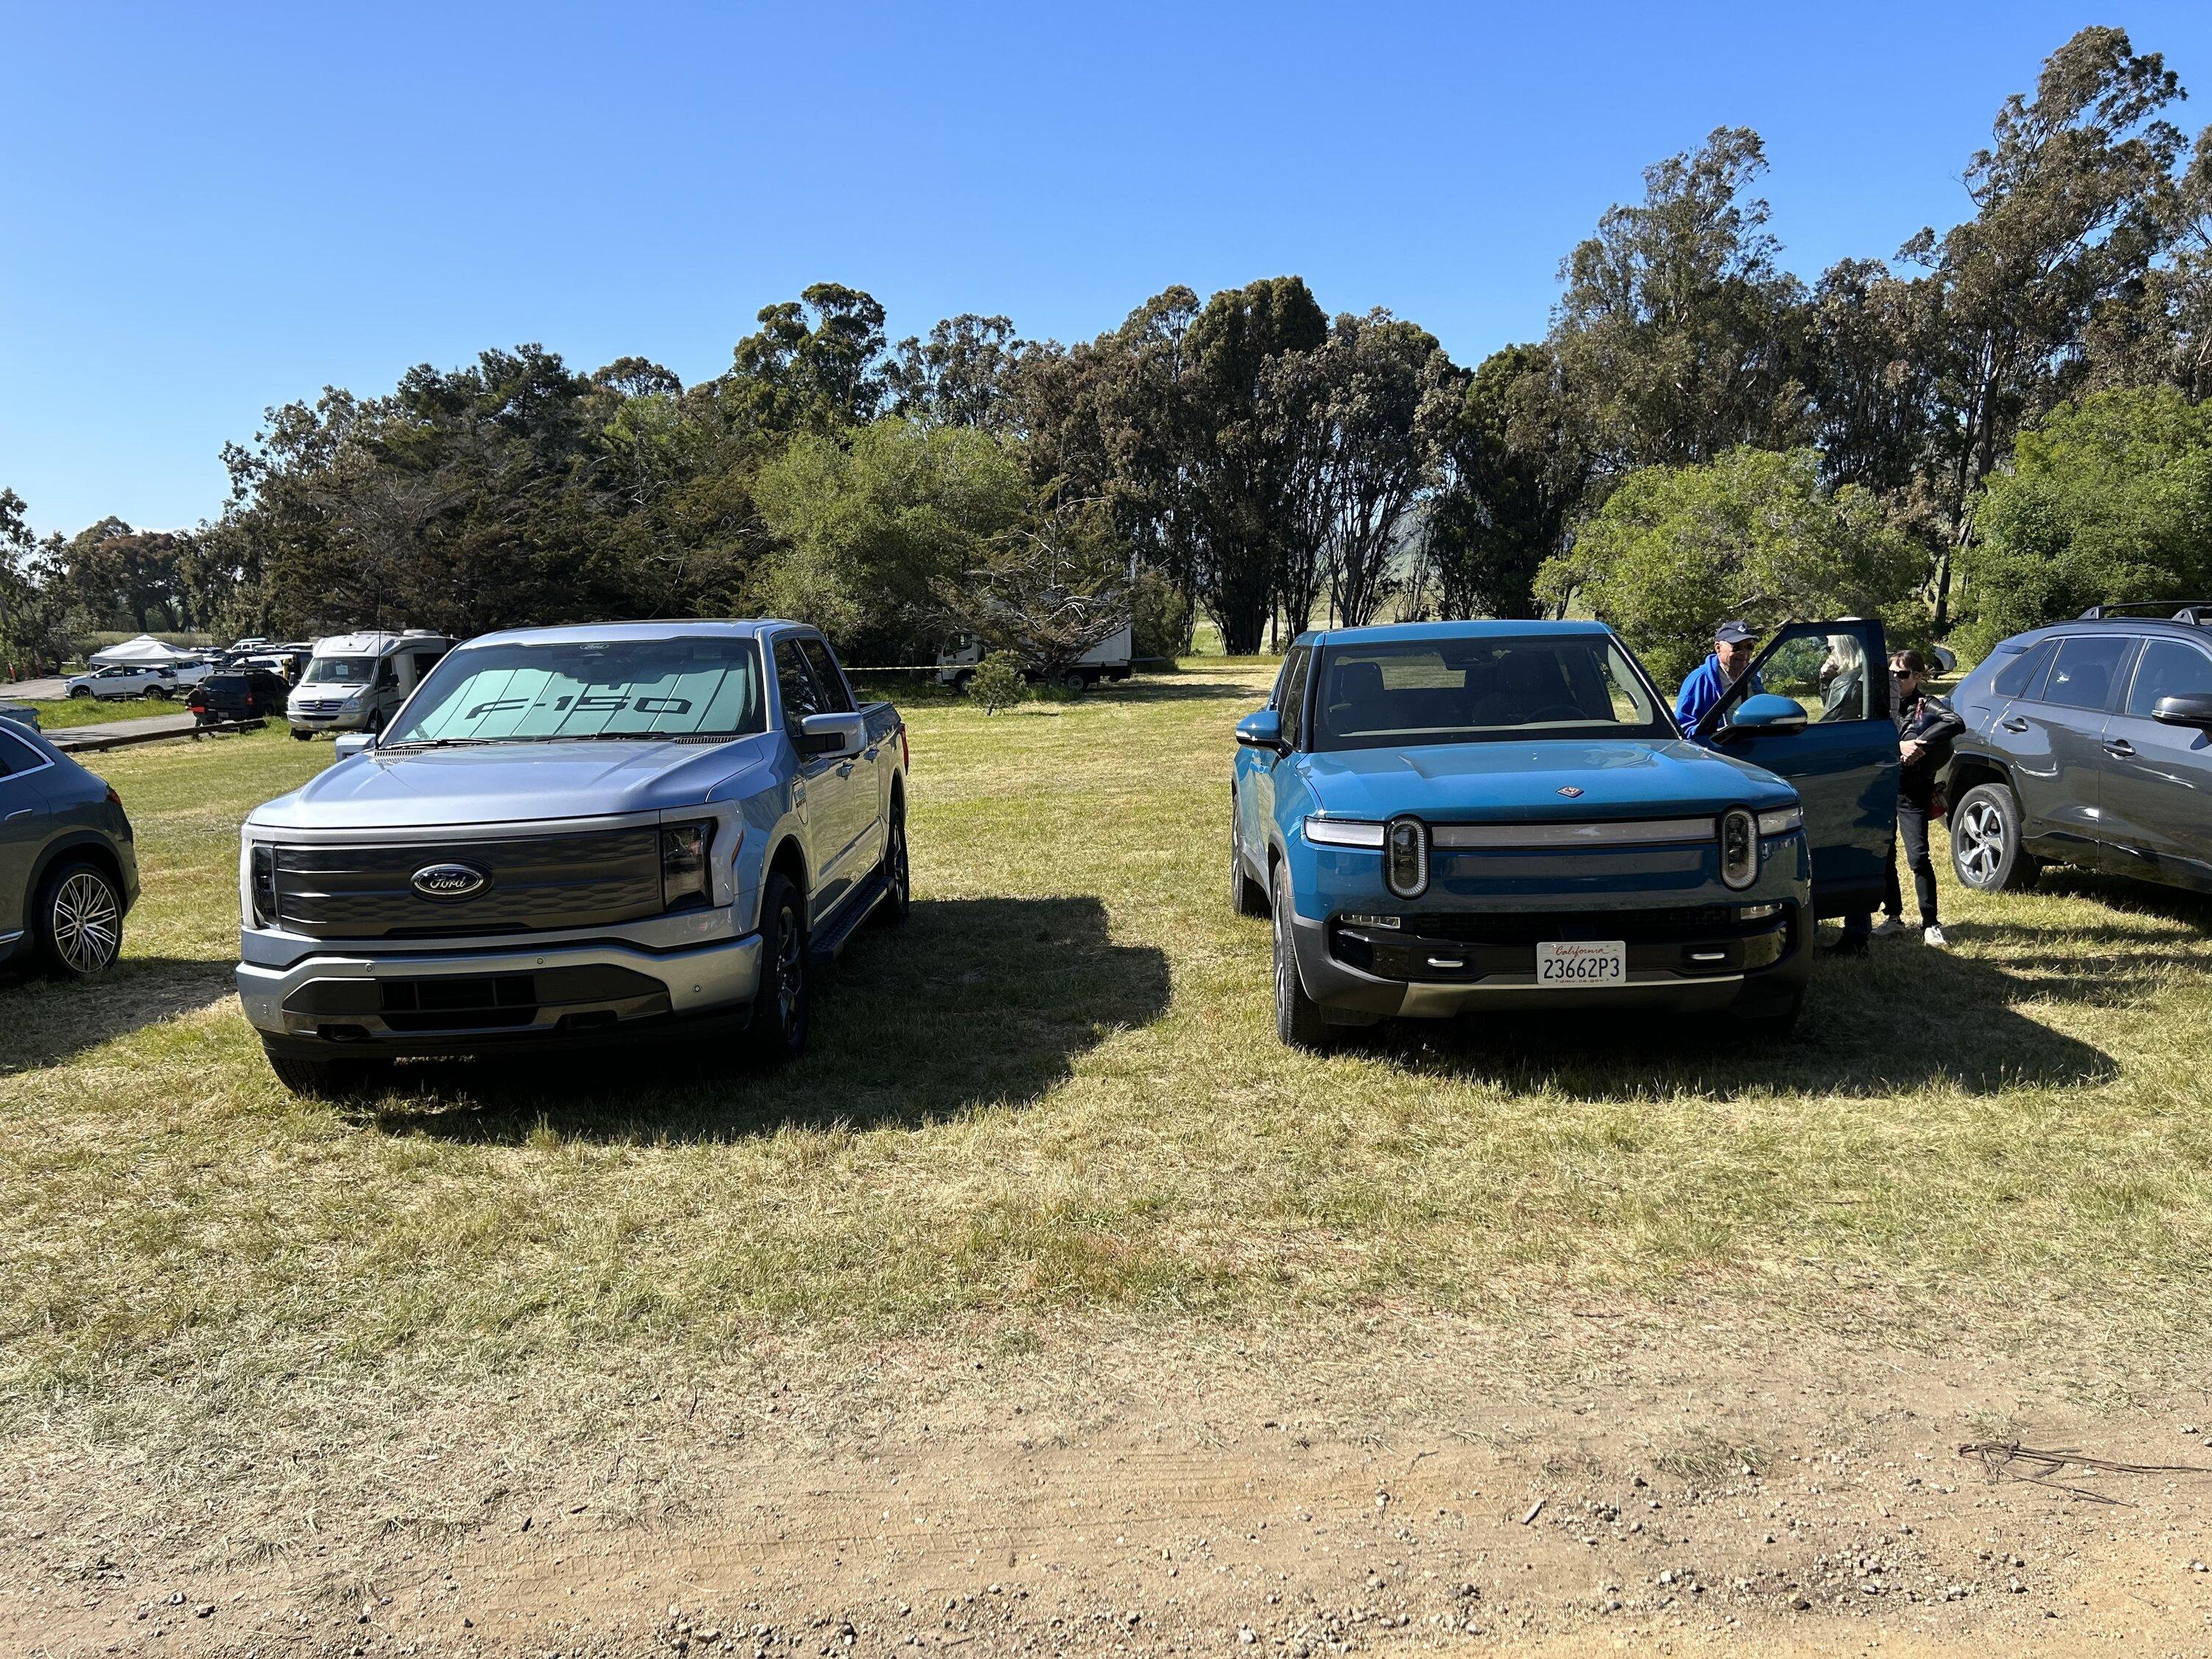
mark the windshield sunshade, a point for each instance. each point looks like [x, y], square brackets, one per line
[680, 688]
[1414, 692]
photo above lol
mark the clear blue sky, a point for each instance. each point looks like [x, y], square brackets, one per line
[206, 210]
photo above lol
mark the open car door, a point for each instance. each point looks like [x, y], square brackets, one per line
[1843, 760]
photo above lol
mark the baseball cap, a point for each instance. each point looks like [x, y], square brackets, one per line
[1733, 633]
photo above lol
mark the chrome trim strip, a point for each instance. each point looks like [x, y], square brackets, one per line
[1639, 832]
[525, 829]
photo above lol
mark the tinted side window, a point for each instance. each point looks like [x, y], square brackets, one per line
[1293, 704]
[2082, 675]
[2014, 678]
[2169, 668]
[801, 698]
[836, 699]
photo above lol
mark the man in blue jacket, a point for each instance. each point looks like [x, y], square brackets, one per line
[1710, 681]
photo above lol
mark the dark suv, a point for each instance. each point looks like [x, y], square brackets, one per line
[2090, 743]
[68, 869]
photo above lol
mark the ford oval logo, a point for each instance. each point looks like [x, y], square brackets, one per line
[450, 881]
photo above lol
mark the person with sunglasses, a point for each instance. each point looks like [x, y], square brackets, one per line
[1926, 727]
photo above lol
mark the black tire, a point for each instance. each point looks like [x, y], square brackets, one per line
[1246, 896]
[1075, 683]
[1986, 850]
[961, 679]
[1774, 1025]
[78, 916]
[298, 736]
[1297, 1016]
[898, 878]
[80, 691]
[325, 1080]
[780, 1005]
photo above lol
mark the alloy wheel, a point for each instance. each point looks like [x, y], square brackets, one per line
[1982, 837]
[87, 923]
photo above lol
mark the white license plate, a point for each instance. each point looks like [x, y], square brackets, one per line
[1582, 962]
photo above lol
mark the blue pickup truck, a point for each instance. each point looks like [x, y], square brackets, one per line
[1452, 817]
[572, 835]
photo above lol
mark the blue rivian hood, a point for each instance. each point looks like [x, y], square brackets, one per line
[1520, 782]
[515, 783]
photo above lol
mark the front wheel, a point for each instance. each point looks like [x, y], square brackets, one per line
[1297, 1016]
[76, 691]
[80, 920]
[780, 1003]
[1986, 850]
[298, 736]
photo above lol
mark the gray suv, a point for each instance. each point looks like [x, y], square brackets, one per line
[2089, 743]
[68, 869]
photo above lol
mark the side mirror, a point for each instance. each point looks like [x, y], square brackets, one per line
[1763, 715]
[2195, 709]
[834, 735]
[1262, 729]
[354, 743]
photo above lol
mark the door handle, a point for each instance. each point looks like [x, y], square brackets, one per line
[845, 771]
[2014, 723]
[2119, 746]
[20, 812]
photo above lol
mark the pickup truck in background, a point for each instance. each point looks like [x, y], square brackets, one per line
[573, 833]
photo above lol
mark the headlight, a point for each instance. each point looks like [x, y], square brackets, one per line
[1787, 821]
[1739, 848]
[1344, 832]
[1406, 858]
[261, 865]
[684, 863]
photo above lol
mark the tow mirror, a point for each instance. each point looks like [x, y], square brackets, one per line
[1763, 715]
[834, 735]
[2195, 709]
[1262, 729]
[354, 743]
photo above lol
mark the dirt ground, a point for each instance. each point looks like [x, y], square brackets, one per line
[1656, 1481]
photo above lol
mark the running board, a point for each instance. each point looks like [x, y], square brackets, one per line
[835, 935]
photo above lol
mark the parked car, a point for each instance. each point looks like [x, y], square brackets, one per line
[239, 693]
[1107, 661]
[575, 833]
[2088, 743]
[69, 868]
[357, 682]
[135, 680]
[1454, 817]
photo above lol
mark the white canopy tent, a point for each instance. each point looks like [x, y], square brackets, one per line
[144, 652]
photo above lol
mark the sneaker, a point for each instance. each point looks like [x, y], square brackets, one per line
[1890, 927]
[1933, 934]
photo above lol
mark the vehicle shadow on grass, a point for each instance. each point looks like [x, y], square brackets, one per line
[2134, 898]
[973, 1002]
[1902, 1019]
[49, 1020]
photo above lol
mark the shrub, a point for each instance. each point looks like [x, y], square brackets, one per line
[997, 681]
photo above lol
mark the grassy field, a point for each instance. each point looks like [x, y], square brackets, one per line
[60, 713]
[1056, 1096]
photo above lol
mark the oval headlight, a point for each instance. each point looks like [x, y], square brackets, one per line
[1739, 848]
[1406, 858]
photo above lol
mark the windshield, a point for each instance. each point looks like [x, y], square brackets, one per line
[695, 687]
[1403, 693]
[352, 671]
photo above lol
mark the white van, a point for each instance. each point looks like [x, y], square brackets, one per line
[357, 682]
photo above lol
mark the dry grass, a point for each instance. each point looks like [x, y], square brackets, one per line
[1056, 1096]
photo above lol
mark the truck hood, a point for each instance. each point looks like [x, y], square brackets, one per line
[519, 783]
[1522, 782]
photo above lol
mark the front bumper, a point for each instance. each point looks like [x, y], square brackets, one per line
[461, 1001]
[342, 720]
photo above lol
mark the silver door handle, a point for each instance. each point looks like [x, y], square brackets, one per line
[845, 771]
[2015, 723]
[2119, 746]
[20, 812]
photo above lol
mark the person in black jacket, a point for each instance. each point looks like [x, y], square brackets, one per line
[1926, 728]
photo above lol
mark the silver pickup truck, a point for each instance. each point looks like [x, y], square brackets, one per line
[573, 833]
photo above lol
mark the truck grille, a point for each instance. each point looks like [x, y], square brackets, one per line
[533, 884]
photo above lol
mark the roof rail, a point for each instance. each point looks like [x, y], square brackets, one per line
[2191, 613]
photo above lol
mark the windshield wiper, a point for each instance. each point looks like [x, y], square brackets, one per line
[435, 743]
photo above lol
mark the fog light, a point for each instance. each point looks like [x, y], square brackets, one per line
[1759, 912]
[1369, 921]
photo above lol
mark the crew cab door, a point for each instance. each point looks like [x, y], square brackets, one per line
[864, 797]
[1843, 762]
[819, 790]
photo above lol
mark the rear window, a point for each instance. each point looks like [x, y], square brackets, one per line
[2082, 675]
[2014, 677]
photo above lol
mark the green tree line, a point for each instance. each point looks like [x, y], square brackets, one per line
[1995, 422]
